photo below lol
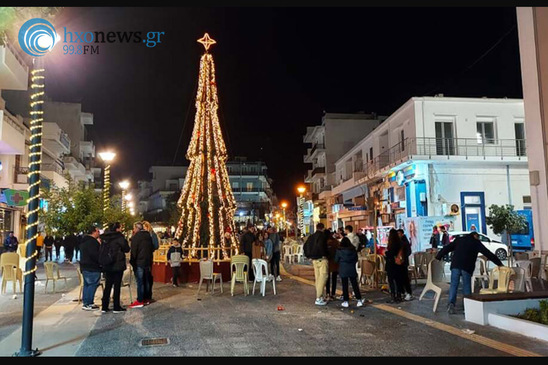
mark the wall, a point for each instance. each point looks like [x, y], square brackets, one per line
[447, 181]
[67, 117]
[533, 46]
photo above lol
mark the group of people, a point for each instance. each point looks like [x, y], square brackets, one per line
[106, 254]
[262, 244]
[332, 257]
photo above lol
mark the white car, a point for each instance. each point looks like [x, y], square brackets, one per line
[495, 246]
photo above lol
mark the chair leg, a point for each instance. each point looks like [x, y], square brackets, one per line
[274, 286]
[199, 285]
[253, 291]
[246, 287]
[232, 285]
[263, 286]
[221, 280]
[54, 286]
[46, 286]
[424, 291]
[438, 295]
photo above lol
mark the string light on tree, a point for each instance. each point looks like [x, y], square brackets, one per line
[207, 202]
[107, 157]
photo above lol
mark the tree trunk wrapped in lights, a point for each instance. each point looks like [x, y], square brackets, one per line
[207, 202]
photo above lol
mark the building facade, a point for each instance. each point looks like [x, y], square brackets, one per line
[248, 179]
[329, 141]
[435, 157]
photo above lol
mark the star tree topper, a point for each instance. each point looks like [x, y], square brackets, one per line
[206, 41]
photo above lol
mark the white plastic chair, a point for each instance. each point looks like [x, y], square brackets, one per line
[504, 274]
[52, 273]
[528, 266]
[536, 270]
[239, 266]
[206, 273]
[519, 279]
[127, 279]
[298, 253]
[9, 273]
[287, 253]
[480, 272]
[435, 281]
[261, 276]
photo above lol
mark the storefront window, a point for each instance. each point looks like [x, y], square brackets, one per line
[6, 223]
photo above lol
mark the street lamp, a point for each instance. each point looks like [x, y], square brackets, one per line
[123, 185]
[284, 205]
[107, 157]
[301, 189]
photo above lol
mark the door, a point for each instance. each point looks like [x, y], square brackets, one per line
[473, 211]
[445, 143]
[520, 139]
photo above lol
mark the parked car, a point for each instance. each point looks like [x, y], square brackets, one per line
[494, 245]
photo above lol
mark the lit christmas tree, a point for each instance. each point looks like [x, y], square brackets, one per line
[207, 201]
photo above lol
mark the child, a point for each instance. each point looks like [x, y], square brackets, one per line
[347, 257]
[174, 257]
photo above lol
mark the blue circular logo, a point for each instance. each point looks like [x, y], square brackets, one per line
[37, 37]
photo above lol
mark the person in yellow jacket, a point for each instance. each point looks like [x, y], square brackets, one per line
[39, 244]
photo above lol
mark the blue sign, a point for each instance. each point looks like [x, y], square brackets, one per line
[472, 222]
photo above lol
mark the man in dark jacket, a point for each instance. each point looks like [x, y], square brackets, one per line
[465, 252]
[118, 247]
[246, 247]
[70, 244]
[90, 268]
[141, 260]
[10, 243]
[276, 251]
[315, 248]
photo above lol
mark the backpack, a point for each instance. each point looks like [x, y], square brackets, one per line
[106, 257]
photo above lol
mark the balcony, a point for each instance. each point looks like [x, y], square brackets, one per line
[87, 149]
[14, 72]
[20, 176]
[86, 118]
[74, 167]
[55, 140]
[313, 152]
[313, 173]
[54, 173]
[12, 134]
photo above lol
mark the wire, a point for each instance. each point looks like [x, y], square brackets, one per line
[185, 122]
[478, 59]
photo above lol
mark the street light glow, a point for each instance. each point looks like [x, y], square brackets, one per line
[124, 184]
[128, 197]
[301, 189]
[107, 156]
[284, 205]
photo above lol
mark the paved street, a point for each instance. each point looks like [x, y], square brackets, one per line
[221, 325]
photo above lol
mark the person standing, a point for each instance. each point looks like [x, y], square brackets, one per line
[465, 252]
[315, 248]
[149, 229]
[354, 239]
[114, 272]
[333, 266]
[57, 242]
[404, 269]
[10, 243]
[142, 249]
[246, 247]
[393, 270]
[69, 243]
[274, 236]
[39, 244]
[90, 268]
[48, 244]
[347, 257]
[77, 246]
[435, 238]
[268, 252]
[257, 251]
[174, 258]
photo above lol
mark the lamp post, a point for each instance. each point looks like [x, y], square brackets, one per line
[284, 205]
[124, 185]
[301, 189]
[107, 157]
[35, 161]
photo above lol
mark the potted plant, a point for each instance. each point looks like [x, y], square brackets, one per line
[504, 220]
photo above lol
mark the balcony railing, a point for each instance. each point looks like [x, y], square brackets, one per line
[11, 120]
[315, 147]
[52, 167]
[448, 147]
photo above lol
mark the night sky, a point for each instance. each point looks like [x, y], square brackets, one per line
[278, 69]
